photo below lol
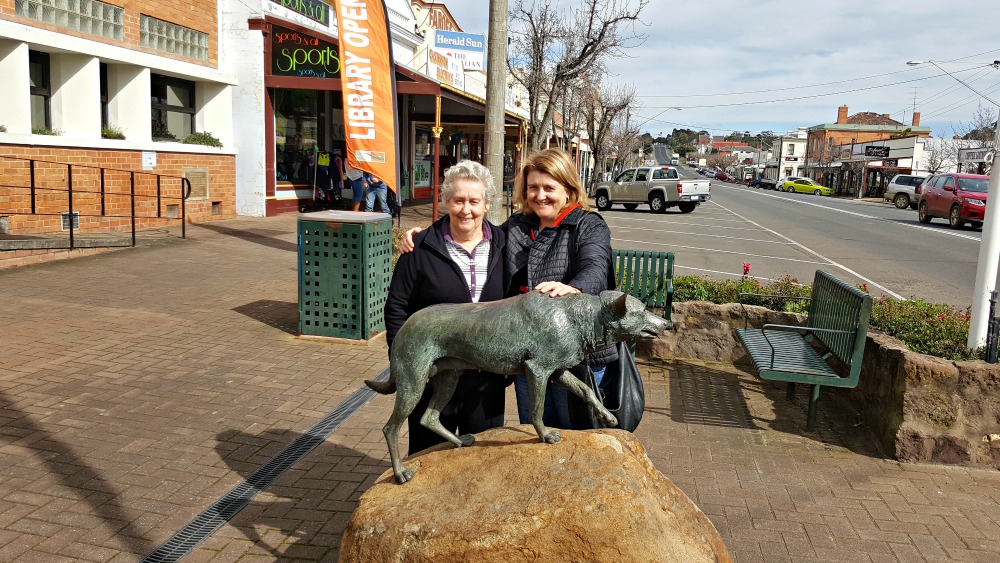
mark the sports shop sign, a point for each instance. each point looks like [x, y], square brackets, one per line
[298, 54]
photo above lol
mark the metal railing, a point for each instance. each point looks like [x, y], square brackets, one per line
[168, 188]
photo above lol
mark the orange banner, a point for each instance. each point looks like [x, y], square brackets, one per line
[368, 86]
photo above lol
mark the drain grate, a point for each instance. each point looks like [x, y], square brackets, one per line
[221, 511]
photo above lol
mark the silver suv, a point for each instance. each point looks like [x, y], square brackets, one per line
[900, 190]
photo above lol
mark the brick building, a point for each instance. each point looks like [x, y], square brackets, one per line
[100, 95]
[861, 127]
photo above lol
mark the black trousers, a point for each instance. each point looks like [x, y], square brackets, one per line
[477, 405]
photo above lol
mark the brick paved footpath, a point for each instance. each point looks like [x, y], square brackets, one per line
[139, 386]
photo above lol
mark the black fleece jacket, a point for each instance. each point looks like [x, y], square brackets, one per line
[428, 276]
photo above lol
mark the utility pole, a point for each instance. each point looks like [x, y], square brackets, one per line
[496, 96]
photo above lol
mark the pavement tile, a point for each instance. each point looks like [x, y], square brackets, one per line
[929, 547]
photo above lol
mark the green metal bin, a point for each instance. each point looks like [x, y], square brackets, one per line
[345, 266]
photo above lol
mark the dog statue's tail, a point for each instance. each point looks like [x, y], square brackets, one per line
[387, 387]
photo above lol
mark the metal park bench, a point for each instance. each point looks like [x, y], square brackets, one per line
[836, 325]
[647, 275]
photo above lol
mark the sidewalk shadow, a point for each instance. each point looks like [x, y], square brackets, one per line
[266, 237]
[74, 474]
[701, 395]
[315, 476]
[278, 314]
[839, 423]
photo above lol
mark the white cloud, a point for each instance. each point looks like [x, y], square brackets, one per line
[712, 53]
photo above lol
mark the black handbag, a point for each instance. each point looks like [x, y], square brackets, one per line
[621, 392]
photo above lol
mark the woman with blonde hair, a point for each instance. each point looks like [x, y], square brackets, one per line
[556, 245]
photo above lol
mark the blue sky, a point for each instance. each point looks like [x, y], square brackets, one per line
[779, 64]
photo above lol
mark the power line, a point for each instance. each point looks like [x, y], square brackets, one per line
[795, 98]
[769, 90]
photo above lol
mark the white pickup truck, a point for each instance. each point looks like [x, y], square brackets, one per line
[658, 186]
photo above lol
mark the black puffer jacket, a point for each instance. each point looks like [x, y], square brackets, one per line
[429, 276]
[548, 258]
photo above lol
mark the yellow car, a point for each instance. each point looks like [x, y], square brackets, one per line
[806, 186]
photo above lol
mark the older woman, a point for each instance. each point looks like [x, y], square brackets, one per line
[557, 246]
[459, 259]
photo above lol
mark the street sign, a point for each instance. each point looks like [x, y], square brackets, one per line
[981, 154]
[877, 152]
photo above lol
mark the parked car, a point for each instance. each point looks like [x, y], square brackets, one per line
[780, 184]
[806, 186]
[723, 177]
[960, 198]
[709, 173]
[901, 190]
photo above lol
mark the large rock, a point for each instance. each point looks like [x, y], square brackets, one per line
[595, 496]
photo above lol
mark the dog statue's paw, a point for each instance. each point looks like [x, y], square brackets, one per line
[608, 419]
[467, 439]
[551, 436]
[404, 476]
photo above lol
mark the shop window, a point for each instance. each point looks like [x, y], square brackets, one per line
[172, 38]
[41, 90]
[172, 107]
[297, 134]
[86, 16]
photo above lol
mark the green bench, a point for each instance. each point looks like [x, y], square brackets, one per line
[647, 275]
[836, 325]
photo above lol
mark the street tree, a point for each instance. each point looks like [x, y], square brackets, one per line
[552, 48]
[601, 107]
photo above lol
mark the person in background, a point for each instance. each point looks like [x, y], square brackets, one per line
[358, 184]
[376, 188]
[459, 259]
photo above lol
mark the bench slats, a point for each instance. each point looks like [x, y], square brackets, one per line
[794, 359]
[646, 275]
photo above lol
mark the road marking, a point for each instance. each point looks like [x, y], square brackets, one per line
[866, 216]
[820, 256]
[628, 229]
[676, 267]
[713, 226]
[716, 250]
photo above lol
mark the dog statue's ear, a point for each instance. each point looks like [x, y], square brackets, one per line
[621, 307]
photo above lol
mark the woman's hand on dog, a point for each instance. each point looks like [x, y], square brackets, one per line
[556, 289]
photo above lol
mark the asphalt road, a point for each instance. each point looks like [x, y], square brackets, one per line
[781, 234]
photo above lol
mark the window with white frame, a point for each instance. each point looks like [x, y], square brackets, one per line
[41, 90]
[172, 38]
[791, 149]
[86, 16]
[172, 104]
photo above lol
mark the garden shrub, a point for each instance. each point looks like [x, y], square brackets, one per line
[112, 132]
[202, 138]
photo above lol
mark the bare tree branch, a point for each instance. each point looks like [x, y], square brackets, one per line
[552, 50]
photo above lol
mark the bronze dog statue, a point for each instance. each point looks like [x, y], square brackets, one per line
[533, 334]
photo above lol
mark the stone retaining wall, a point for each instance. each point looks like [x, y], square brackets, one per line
[921, 407]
